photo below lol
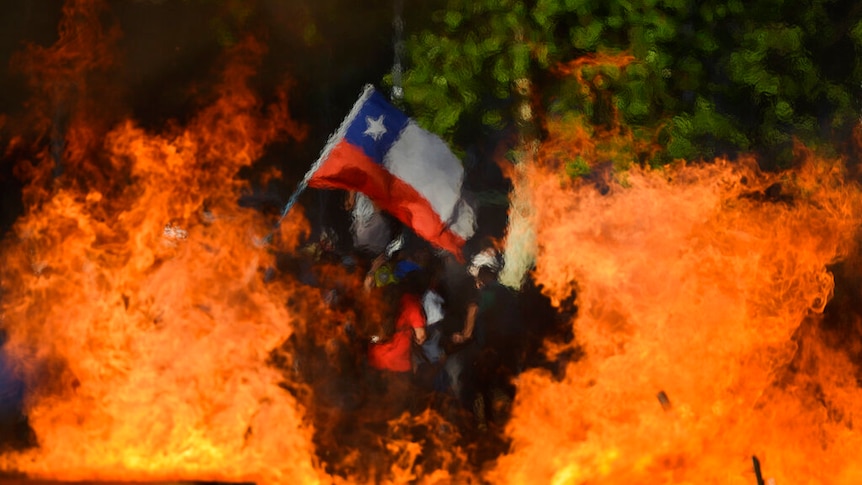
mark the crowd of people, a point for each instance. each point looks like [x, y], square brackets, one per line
[427, 330]
[438, 337]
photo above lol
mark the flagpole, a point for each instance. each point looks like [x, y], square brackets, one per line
[300, 188]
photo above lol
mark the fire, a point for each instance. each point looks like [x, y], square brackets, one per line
[136, 306]
[144, 307]
[575, 68]
[698, 288]
[156, 344]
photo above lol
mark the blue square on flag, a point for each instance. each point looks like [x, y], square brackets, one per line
[376, 127]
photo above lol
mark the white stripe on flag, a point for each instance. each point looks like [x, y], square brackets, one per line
[425, 162]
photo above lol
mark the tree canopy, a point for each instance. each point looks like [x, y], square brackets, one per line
[696, 79]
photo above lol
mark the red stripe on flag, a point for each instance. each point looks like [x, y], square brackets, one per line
[348, 167]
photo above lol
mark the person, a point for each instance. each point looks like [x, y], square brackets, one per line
[389, 356]
[428, 358]
[492, 335]
[433, 305]
[390, 266]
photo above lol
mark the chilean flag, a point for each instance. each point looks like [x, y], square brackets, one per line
[405, 170]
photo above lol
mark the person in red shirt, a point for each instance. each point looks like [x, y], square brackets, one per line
[395, 353]
[390, 358]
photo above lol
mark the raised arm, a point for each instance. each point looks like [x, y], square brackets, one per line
[469, 325]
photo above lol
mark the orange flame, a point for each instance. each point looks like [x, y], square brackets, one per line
[64, 78]
[140, 307]
[691, 283]
[575, 67]
[137, 310]
[138, 313]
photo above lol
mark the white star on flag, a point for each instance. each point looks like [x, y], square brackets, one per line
[376, 128]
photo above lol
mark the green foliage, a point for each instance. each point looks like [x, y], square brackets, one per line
[232, 20]
[704, 79]
[578, 167]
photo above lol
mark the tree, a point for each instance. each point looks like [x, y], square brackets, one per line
[694, 79]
